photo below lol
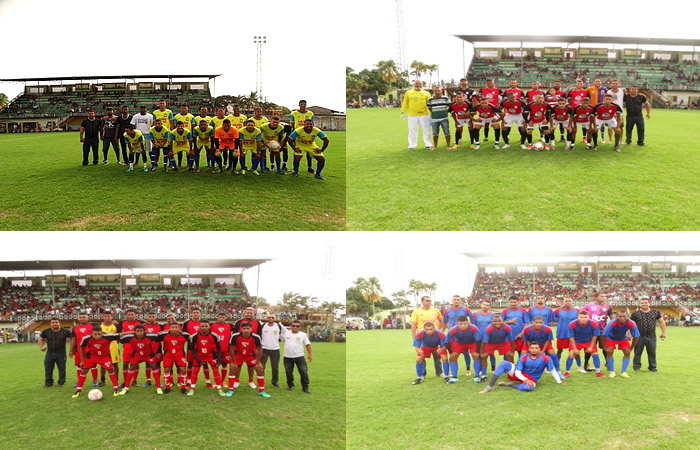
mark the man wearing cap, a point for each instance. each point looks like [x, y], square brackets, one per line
[415, 102]
[646, 319]
[109, 135]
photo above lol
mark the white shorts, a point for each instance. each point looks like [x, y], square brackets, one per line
[462, 122]
[612, 123]
[483, 121]
[510, 118]
[541, 125]
[556, 123]
[584, 125]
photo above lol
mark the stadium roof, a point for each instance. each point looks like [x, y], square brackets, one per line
[601, 253]
[109, 77]
[130, 264]
[578, 39]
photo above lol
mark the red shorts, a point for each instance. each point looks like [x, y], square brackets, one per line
[90, 363]
[562, 344]
[158, 358]
[542, 350]
[490, 349]
[461, 348]
[76, 357]
[136, 360]
[126, 354]
[609, 343]
[245, 359]
[209, 361]
[519, 343]
[226, 358]
[179, 362]
[189, 356]
[427, 352]
[585, 345]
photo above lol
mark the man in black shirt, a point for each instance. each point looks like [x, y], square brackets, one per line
[109, 134]
[123, 120]
[646, 319]
[633, 103]
[90, 134]
[56, 338]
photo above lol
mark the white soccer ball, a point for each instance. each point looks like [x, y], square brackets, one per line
[95, 395]
[273, 145]
[538, 146]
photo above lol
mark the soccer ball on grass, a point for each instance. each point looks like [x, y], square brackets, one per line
[95, 395]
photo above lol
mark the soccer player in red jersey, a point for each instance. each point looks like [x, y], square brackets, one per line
[206, 349]
[581, 118]
[532, 93]
[607, 113]
[154, 328]
[77, 334]
[461, 115]
[190, 327]
[577, 95]
[142, 351]
[94, 351]
[560, 93]
[513, 107]
[174, 341]
[493, 94]
[488, 114]
[256, 328]
[127, 327]
[538, 113]
[515, 89]
[224, 331]
[561, 117]
[246, 347]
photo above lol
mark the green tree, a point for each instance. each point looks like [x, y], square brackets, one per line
[388, 71]
[354, 85]
[3, 100]
[222, 101]
[259, 301]
[371, 290]
[401, 301]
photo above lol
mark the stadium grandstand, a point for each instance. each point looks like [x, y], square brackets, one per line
[48, 104]
[33, 292]
[670, 280]
[666, 70]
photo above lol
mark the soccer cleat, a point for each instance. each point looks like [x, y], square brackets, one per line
[252, 385]
[547, 147]
[624, 375]
[484, 378]
[505, 146]
[446, 380]
[542, 138]
[477, 380]
[496, 146]
[306, 390]
[153, 169]
[595, 148]
[468, 373]
[76, 395]
[281, 172]
[221, 393]
[190, 393]
[455, 147]
[471, 146]
[612, 375]
[452, 380]
[311, 170]
[599, 375]
[617, 149]
[145, 169]
[116, 393]
[236, 384]
[411, 148]
[566, 374]
[264, 394]
[256, 172]
[175, 169]
[159, 391]
[242, 172]
[94, 384]
[134, 384]
[229, 393]
[104, 162]
[476, 146]
[581, 370]
[291, 388]
[183, 391]
[416, 381]
[284, 167]
[319, 177]
[166, 390]
[130, 169]
[209, 385]
[588, 147]
[165, 169]
[486, 389]
[295, 174]
[196, 170]
[523, 146]
[147, 383]
[602, 141]
[123, 391]
[236, 172]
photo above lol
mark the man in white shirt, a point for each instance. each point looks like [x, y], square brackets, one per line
[143, 122]
[272, 333]
[618, 98]
[294, 343]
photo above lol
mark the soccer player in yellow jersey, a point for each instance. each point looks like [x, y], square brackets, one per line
[260, 120]
[134, 140]
[251, 141]
[109, 327]
[203, 116]
[182, 142]
[274, 131]
[203, 136]
[303, 139]
[218, 121]
[185, 117]
[415, 102]
[297, 119]
[160, 141]
[237, 119]
[164, 114]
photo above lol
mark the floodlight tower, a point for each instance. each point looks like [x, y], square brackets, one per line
[259, 41]
[400, 38]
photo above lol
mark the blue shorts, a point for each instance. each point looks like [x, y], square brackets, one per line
[444, 123]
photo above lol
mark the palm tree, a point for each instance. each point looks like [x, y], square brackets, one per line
[354, 85]
[371, 290]
[388, 71]
[418, 68]
[401, 301]
[430, 68]
[432, 287]
[416, 287]
[289, 300]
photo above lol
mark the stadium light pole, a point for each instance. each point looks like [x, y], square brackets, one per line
[259, 41]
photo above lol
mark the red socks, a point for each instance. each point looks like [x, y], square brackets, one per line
[81, 380]
[261, 383]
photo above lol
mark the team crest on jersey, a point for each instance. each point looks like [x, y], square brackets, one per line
[606, 116]
[82, 330]
[511, 110]
[538, 114]
[140, 345]
[244, 344]
[578, 97]
[298, 339]
[274, 332]
[98, 345]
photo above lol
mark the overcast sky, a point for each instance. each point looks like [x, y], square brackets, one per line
[79, 37]
[430, 26]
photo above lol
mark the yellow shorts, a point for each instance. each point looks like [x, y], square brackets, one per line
[310, 151]
[114, 353]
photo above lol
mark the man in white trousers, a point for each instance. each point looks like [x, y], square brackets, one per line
[416, 102]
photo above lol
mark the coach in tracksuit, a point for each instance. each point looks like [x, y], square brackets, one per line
[272, 332]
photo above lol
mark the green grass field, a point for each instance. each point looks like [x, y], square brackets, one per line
[44, 187]
[34, 417]
[648, 410]
[642, 188]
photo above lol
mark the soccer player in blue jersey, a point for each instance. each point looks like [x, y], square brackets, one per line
[483, 319]
[496, 337]
[462, 339]
[541, 309]
[449, 321]
[564, 316]
[616, 338]
[526, 372]
[425, 342]
[542, 334]
[583, 336]
[516, 316]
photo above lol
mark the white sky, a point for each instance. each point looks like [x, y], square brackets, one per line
[68, 38]
[303, 262]
[430, 26]
[397, 257]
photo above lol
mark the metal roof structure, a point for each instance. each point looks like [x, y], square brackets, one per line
[599, 253]
[107, 77]
[579, 39]
[130, 264]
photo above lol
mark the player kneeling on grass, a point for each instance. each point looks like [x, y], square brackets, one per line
[94, 351]
[303, 139]
[174, 341]
[542, 334]
[461, 339]
[206, 349]
[203, 139]
[526, 372]
[246, 347]
[606, 113]
[134, 140]
[496, 337]
[425, 342]
[616, 338]
[141, 347]
[584, 334]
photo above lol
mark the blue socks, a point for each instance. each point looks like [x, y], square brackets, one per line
[190, 162]
[578, 360]
[467, 359]
[502, 368]
[446, 368]
[296, 166]
[611, 364]
[419, 370]
[625, 363]
[569, 363]
[477, 367]
[278, 163]
[596, 361]
[255, 164]
[455, 367]
[493, 360]
[196, 159]
[319, 167]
